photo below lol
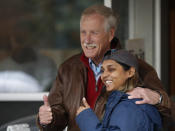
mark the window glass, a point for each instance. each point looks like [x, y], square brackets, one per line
[36, 36]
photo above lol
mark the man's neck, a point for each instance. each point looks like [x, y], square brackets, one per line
[97, 61]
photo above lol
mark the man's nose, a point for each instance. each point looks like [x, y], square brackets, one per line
[88, 38]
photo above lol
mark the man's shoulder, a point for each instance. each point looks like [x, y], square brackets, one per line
[73, 63]
[73, 59]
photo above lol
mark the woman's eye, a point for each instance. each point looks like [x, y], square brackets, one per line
[111, 69]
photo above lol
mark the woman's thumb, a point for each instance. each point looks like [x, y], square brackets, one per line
[85, 102]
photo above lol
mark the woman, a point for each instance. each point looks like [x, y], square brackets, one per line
[120, 75]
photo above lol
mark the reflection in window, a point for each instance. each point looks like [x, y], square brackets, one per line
[36, 36]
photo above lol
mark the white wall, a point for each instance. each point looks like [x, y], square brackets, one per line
[144, 23]
[141, 24]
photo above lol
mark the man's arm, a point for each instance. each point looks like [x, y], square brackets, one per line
[149, 96]
[153, 91]
[59, 116]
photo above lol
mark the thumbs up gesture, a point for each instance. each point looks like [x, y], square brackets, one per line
[45, 99]
[45, 112]
[82, 108]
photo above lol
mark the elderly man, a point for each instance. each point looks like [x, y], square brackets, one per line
[79, 76]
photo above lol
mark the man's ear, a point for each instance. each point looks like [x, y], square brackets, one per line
[131, 72]
[111, 33]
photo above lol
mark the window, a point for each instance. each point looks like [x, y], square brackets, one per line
[35, 38]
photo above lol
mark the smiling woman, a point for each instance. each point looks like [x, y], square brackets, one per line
[119, 71]
[114, 76]
[119, 74]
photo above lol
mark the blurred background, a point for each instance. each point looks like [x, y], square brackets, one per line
[36, 36]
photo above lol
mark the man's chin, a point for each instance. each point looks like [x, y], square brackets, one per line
[88, 55]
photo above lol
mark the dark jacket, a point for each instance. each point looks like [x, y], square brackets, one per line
[121, 114]
[71, 85]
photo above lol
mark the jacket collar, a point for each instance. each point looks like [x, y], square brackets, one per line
[115, 97]
[85, 60]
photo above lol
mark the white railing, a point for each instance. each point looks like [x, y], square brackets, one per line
[22, 96]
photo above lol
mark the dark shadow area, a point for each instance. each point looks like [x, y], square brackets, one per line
[11, 111]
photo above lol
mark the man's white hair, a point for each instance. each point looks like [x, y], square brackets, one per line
[111, 19]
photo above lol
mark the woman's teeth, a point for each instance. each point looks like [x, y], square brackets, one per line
[108, 82]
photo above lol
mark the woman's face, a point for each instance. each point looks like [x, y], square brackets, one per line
[113, 75]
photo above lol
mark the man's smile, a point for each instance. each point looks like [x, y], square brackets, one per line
[90, 46]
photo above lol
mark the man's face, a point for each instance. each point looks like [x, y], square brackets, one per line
[95, 40]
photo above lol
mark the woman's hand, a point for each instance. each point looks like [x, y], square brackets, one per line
[84, 107]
